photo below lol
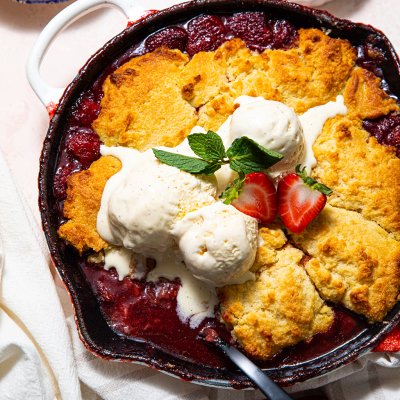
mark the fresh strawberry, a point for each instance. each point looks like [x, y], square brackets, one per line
[257, 197]
[300, 199]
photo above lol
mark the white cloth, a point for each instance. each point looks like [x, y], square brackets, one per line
[28, 290]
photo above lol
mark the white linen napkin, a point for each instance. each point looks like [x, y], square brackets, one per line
[28, 291]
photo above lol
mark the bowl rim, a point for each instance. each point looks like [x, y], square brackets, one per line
[284, 375]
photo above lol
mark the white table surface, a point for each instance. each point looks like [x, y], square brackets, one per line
[24, 120]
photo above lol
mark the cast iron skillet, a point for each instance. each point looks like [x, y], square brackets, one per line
[93, 329]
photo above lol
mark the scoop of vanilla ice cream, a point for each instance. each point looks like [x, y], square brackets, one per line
[273, 125]
[218, 244]
[141, 203]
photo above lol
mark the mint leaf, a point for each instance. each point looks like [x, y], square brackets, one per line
[192, 165]
[208, 146]
[245, 155]
[233, 190]
[212, 167]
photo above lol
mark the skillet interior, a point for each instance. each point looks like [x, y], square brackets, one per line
[93, 329]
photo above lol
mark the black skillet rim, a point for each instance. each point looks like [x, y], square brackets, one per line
[93, 330]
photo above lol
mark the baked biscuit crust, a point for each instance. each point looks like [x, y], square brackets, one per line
[314, 73]
[84, 193]
[281, 307]
[363, 174]
[365, 98]
[354, 261]
[142, 105]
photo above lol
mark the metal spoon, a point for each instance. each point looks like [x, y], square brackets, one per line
[259, 378]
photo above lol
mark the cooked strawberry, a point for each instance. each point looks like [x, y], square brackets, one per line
[60, 180]
[257, 197]
[172, 37]
[300, 199]
[252, 28]
[86, 110]
[205, 33]
[84, 145]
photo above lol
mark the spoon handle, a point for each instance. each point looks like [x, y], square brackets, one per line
[266, 385]
[259, 378]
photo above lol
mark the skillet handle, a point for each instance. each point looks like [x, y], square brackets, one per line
[47, 94]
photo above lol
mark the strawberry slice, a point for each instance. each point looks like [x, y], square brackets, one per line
[257, 197]
[300, 199]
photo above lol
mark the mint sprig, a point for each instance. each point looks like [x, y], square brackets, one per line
[244, 156]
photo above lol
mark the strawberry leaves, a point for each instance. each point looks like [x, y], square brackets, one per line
[232, 191]
[244, 156]
[312, 183]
